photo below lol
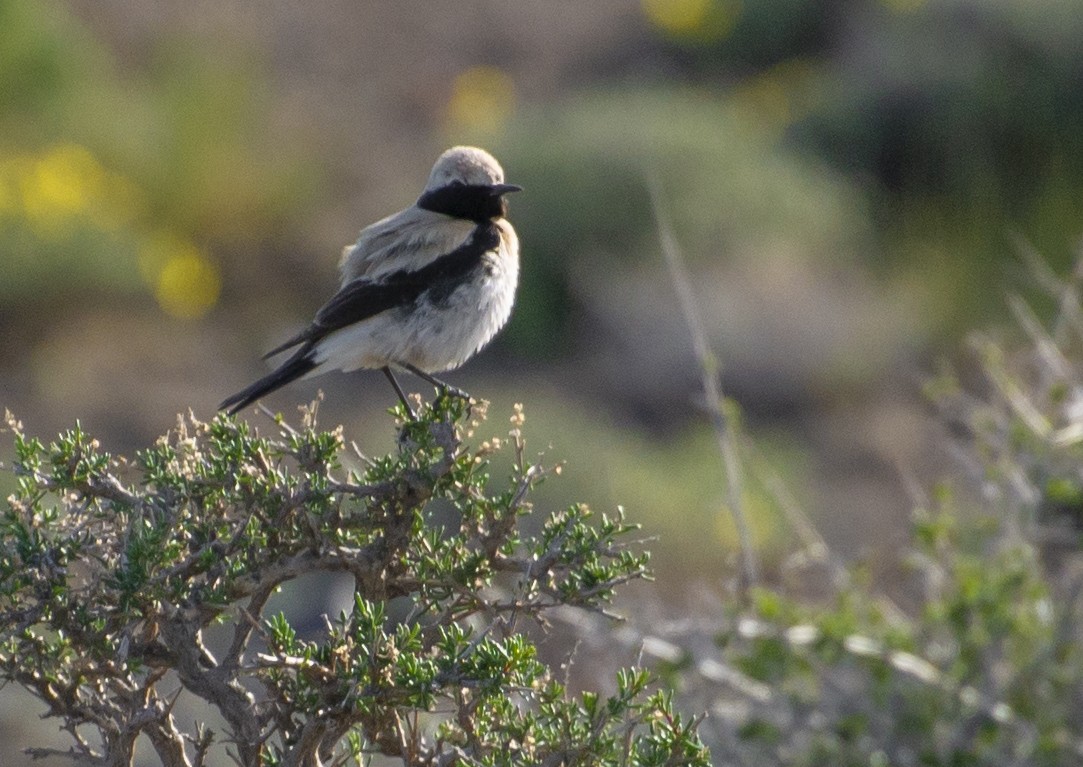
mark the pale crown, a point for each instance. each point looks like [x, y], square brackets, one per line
[466, 165]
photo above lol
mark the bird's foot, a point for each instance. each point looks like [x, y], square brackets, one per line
[441, 386]
[455, 391]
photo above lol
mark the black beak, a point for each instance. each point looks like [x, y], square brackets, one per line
[501, 189]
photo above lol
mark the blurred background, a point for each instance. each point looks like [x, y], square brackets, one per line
[849, 182]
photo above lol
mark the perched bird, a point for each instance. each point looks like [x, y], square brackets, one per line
[422, 290]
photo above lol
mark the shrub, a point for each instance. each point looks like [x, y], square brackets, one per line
[113, 571]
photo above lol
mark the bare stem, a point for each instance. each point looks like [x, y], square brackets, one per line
[710, 370]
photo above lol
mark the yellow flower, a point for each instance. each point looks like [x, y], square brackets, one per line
[482, 100]
[63, 188]
[693, 20]
[186, 282]
[58, 187]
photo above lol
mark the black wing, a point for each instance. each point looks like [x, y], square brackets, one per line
[364, 298]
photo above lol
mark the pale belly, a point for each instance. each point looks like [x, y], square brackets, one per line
[431, 335]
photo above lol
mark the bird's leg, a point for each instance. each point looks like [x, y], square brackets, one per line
[441, 385]
[400, 392]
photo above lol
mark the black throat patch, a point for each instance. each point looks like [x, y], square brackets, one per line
[474, 202]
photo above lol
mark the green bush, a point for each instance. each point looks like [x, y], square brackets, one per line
[975, 657]
[113, 572]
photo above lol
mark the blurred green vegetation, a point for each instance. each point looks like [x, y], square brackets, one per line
[734, 194]
[912, 137]
[671, 484]
[131, 182]
[984, 666]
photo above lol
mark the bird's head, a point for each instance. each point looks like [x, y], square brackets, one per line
[469, 166]
[467, 182]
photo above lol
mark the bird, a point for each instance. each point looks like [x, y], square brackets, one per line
[422, 290]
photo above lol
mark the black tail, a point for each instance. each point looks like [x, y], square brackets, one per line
[290, 370]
